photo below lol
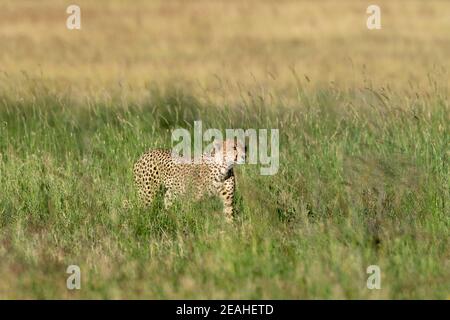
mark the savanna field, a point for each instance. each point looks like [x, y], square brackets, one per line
[363, 117]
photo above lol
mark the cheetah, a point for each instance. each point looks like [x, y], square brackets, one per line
[212, 175]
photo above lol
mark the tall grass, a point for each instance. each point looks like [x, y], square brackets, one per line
[363, 180]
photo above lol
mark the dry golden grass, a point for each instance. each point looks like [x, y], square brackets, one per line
[220, 47]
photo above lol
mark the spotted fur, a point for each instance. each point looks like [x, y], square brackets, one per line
[214, 175]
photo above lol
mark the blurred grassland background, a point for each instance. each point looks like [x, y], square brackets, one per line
[364, 130]
[221, 47]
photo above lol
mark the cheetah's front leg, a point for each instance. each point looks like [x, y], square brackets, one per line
[227, 196]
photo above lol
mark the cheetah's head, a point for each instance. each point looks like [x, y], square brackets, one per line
[229, 152]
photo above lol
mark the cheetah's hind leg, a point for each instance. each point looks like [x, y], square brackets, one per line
[158, 200]
[152, 198]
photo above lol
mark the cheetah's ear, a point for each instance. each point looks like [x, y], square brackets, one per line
[217, 148]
